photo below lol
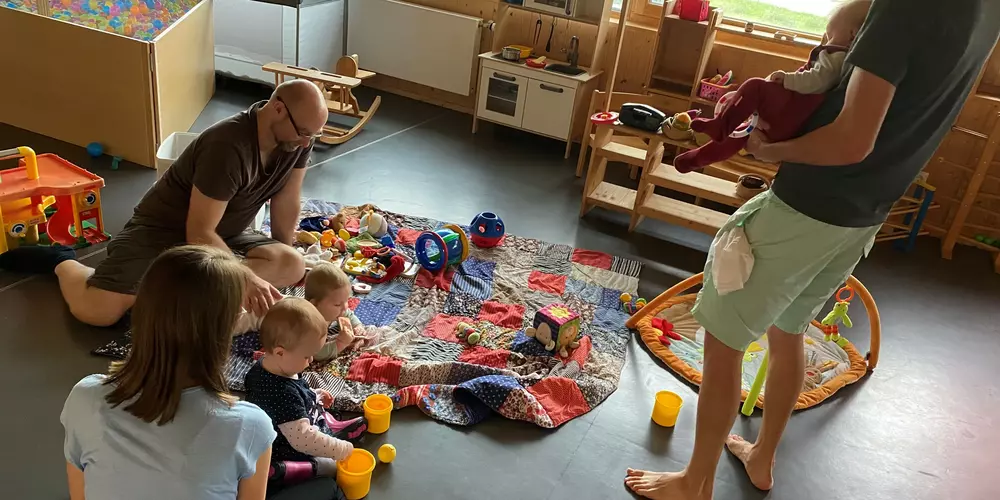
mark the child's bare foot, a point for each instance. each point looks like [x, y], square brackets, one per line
[663, 486]
[759, 469]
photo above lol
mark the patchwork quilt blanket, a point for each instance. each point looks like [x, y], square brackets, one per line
[408, 348]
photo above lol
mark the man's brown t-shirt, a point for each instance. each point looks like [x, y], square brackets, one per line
[224, 164]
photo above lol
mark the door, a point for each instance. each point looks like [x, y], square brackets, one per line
[549, 109]
[501, 96]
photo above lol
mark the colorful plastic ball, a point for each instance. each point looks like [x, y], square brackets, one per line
[386, 453]
[640, 302]
[95, 149]
[157, 24]
[625, 297]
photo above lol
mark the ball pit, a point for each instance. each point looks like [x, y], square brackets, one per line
[139, 19]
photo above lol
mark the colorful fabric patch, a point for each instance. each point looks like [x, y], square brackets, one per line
[441, 280]
[373, 368]
[560, 397]
[528, 346]
[584, 290]
[394, 292]
[491, 389]
[555, 252]
[610, 319]
[610, 299]
[482, 356]
[592, 258]
[504, 315]
[432, 349]
[626, 267]
[376, 313]
[548, 283]
[472, 285]
[462, 304]
[478, 268]
[352, 303]
[407, 236]
[442, 327]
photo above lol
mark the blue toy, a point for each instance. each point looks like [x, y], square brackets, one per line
[444, 247]
[487, 230]
[95, 149]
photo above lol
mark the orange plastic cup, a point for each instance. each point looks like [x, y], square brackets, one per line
[354, 475]
[378, 409]
[666, 408]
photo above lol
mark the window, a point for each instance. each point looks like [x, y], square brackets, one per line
[806, 16]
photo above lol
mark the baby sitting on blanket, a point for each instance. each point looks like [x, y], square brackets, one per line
[328, 289]
[292, 333]
[785, 100]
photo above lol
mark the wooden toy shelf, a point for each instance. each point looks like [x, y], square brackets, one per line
[644, 202]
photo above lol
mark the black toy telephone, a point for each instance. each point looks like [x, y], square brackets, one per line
[641, 116]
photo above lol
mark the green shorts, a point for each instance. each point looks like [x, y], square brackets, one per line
[799, 263]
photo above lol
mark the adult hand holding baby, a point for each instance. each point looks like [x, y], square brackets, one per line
[758, 144]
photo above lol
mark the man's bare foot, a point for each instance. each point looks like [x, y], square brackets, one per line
[758, 469]
[663, 486]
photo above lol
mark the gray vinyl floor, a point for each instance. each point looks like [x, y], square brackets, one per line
[923, 426]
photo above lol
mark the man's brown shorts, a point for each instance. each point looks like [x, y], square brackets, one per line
[135, 247]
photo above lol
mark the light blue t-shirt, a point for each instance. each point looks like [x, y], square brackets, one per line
[201, 455]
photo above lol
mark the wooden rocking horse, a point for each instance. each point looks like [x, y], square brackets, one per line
[336, 87]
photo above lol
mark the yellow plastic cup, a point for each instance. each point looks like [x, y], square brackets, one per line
[354, 475]
[378, 409]
[666, 408]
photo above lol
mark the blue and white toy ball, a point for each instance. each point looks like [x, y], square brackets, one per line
[95, 149]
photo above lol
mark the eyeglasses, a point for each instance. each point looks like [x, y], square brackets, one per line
[291, 120]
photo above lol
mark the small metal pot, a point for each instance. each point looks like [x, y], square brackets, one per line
[511, 53]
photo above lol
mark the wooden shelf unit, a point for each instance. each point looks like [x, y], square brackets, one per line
[991, 141]
[638, 148]
[681, 53]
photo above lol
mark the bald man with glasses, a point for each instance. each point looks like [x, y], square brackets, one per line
[209, 196]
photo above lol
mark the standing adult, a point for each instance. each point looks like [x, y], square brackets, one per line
[209, 196]
[907, 77]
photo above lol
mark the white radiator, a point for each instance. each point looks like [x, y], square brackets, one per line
[419, 44]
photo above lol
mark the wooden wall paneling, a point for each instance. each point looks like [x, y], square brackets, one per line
[635, 62]
[518, 28]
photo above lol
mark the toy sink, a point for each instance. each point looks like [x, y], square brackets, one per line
[565, 69]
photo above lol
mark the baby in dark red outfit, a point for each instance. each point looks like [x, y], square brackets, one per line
[784, 101]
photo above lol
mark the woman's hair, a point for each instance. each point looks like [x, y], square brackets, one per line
[324, 279]
[288, 322]
[182, 323]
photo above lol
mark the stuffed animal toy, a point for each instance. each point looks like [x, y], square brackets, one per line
[542, 334]
[336, 222]
[315, 255]
[838, 314]
[374, 224]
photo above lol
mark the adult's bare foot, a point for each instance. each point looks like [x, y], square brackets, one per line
[663, 486]
[758, 468]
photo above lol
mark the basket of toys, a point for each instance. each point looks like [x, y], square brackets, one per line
[712, 89]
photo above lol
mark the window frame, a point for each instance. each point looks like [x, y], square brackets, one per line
[646, 13]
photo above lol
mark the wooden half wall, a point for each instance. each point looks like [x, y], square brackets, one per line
[76, 84]
[184, 63]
